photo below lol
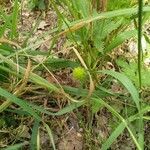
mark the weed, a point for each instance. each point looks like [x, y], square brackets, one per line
[91, 35]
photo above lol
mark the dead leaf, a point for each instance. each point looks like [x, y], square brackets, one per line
[42, 25]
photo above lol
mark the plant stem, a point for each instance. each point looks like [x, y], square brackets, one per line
[141, 123]
[140, 12]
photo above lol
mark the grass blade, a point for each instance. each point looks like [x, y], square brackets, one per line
[15, 147]
[116, 13]
[19, 102]
[50, 135]
[113, 111]
[14, 20]
[119, 129]
[120, 39]
[35, 78]
[34, 137]
[113, 136]
[127, 83]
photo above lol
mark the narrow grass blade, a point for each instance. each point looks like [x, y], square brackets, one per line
[42, 110]
[116, 13]
[34, 143]
[113, 137]
[120, 39]
[50, 135]
[135, 97]
[14, 19]
[127, 83]
[114, 112]
[119, 129]
[19, 102]
[69, 108]
[35, 78]
[15, 147]
[63, 111]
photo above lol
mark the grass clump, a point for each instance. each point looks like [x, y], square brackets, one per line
[39, 91]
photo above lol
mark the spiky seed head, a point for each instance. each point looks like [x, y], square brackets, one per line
[79, 73]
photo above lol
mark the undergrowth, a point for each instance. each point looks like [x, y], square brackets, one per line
[85, 79]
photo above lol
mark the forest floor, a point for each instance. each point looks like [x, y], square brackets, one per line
[72, 131]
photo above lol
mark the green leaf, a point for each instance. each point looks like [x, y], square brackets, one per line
[113, 136]
[23, 104]
[76, 25]
[127, 83]
[114, 112]
[33, 77]
[15, 147]
[41, 5]
[120, 39]
[14, 19]
[96, 105]
[81, 9]
[57, 63]
[69, 108]
[50, 135]
[34, 143]
[119, 129]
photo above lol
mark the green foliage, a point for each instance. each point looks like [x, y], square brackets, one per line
[15, 146]
[10, 21]
[117, 4]
[34, 137]
[37, 4]
[94, 35]
[120, 38]
[130, 69]
[98, 37]
[135, 97]
[21, 103]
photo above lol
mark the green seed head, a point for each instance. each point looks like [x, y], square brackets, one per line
[79, 73]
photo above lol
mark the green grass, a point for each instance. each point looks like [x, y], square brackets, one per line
[91, 37]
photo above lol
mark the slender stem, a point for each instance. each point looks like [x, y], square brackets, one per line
[141, 123]
[140, 12]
